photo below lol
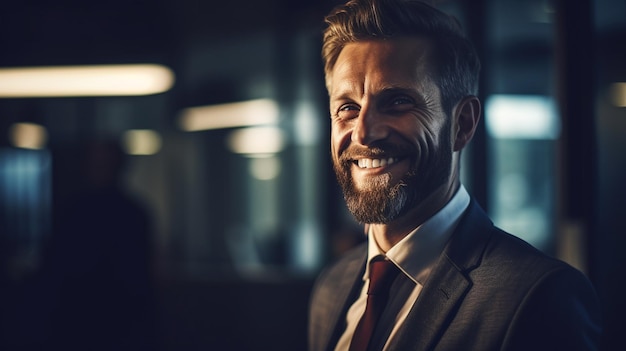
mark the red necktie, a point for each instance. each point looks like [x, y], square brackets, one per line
[382, 274]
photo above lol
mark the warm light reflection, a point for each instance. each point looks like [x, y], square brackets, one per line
[521, 117]
[100, 80]
[141, 142]
[618, 94]
[257, 141]
[28, 135]
[237, 114]
[265, 168]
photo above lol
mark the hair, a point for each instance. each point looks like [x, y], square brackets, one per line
[457, 64]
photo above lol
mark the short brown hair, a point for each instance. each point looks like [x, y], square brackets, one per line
[457, 66]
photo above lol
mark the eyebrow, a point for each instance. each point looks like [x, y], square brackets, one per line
[391, 90]
[346, 92]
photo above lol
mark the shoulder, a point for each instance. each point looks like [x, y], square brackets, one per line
[496, 261]
[348, 266]
[506, 260]
[558, 305]
[479, 247]
[549, 300]
[510, 251]
[536, 301]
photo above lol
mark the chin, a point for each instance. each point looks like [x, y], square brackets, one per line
[382, 205]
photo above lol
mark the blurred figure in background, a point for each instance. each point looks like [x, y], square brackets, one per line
[95, 289]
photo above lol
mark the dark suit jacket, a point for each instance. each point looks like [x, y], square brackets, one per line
[488, 291]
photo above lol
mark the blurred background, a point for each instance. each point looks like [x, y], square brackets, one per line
[193, 208]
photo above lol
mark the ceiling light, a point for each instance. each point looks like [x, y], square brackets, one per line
[257, 141]
[75, 81]
[237, 114]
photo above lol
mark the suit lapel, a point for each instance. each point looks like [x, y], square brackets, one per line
[433, 308]
[348, 286]
[447, 285]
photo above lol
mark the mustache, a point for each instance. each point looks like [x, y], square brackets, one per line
[379, 150]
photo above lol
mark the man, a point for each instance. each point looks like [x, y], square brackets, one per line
[402, 80]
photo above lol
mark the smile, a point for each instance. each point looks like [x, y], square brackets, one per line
[375, 162]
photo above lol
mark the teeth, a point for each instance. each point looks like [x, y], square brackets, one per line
[375, 163]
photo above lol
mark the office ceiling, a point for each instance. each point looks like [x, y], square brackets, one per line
[41, 32]
[63, 32]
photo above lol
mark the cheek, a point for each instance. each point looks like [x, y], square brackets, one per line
[423, 141]
[430, 133]
[339, 139]
[433, 142]
[415, 133]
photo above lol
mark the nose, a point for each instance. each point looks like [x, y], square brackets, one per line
[369, 127]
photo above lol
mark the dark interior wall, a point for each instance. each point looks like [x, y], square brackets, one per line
[609, 205]
[234, 315]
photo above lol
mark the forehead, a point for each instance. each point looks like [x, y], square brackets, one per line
[400, 61]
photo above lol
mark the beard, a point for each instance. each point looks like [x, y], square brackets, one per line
[379, 200]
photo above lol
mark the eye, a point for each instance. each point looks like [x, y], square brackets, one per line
[400, 103]
[402, 100]
[348, 111]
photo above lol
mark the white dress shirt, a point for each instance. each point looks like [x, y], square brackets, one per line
[414, 255]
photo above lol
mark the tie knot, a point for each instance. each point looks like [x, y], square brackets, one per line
[382, 274]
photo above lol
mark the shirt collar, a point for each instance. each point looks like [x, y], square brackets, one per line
[416, 252]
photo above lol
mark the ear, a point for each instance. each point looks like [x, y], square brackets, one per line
[467, 115]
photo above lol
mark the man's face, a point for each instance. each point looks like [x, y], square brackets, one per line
[390, 141]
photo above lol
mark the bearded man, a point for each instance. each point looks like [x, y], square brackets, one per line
[402, 81]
